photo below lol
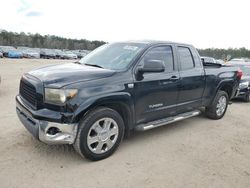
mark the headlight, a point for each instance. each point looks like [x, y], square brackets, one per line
[59, 96]
[244, 85]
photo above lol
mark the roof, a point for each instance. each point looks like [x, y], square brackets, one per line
[151, 42]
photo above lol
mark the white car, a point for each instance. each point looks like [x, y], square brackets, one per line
[239, 60]
[30, 53]
[70, 55]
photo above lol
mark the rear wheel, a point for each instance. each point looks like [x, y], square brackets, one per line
[99, 134]
[219, 106]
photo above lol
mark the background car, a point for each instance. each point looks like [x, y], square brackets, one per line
[31, 53]
[239, 60]
[80, 53]
[5, 50]
[47, 54]
[15, 54]
[1, 54]
[70, 55]
[60, 54]
[244, 86]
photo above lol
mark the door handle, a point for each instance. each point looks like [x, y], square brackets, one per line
[174, 78]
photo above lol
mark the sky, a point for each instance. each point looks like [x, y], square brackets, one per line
[203, 23]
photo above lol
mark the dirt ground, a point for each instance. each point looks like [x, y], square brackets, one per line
[196, 152]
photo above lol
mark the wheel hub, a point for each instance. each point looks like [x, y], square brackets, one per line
[102, 135]
[221, 105]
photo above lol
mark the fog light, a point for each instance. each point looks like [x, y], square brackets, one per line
[53, 130]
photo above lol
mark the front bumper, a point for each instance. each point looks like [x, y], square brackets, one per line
[242, 92]
[46, 131]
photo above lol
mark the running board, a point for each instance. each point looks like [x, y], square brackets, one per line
[165, 121]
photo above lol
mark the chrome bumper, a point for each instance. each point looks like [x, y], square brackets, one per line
[237, 93]
[240, 93]
[40, 129]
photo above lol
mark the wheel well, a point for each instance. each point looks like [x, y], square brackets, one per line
[228, 89]
[124, 112]
[119, 107]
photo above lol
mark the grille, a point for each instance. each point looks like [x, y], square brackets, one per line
[28, 92]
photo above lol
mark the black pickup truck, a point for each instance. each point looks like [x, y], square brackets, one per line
[121, 87]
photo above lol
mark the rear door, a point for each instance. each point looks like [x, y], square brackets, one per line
[156, 94]
[192, 78]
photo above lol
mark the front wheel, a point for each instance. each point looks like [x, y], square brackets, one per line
[219, 106]
[99, 134]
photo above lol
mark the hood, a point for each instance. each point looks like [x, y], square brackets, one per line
[57, 76]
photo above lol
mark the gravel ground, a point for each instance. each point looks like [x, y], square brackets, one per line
[196, 152]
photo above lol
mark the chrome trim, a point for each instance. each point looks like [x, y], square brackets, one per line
[158, 123]
[105, 135]
[221, 105]
[66, 135]
[39, 128]
[131, 86]
[237, 93]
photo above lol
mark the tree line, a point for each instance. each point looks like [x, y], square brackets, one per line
[45, 41]
[51, 41]
[225, 53]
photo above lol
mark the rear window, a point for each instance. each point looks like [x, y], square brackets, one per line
[196, 57]
[186, 59]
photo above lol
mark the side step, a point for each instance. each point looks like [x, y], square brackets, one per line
[165, 121]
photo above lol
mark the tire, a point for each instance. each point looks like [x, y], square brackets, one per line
[247, 97]
[94, 140]
[219, 106]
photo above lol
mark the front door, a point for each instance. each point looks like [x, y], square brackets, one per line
[157, 93]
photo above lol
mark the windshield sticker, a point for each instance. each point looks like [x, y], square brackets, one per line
[133, 48]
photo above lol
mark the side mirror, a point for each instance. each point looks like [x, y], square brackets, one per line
[151, 65]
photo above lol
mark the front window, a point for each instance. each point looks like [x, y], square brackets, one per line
[116, 56]
[161, 53]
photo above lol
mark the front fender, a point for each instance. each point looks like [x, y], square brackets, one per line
[123, 98]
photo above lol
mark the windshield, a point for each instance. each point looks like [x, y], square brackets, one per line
[116, 56]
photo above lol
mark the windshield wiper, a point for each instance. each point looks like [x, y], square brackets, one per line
[93, 65]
